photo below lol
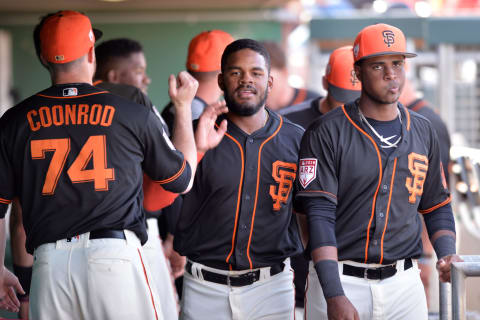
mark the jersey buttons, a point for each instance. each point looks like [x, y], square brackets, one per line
[381, 214]
[384, 188]
[250, 140]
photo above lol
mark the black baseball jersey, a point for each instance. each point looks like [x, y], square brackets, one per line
[136, 95]
[74, 156]
[420, 106]
[239, 211]
[304, 113]
[377, 197]
[168, 113]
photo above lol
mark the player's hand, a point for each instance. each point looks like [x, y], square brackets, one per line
[206, 135]
[177, 263]
[444, 265]
[340, 308]
[9, 285]
[182, 89]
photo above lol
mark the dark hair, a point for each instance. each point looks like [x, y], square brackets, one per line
[241, 44]
[109, 51]
[278, 60]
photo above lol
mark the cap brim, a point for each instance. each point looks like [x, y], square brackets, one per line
[343, 95]
[389, 53]
[97, 33]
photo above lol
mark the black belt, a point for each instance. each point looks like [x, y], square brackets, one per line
[237, 280]
[375, 273]
[105, 234]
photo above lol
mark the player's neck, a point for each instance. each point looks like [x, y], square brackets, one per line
[327, 104]
[77, 76]
[378, 111]
[251, 123]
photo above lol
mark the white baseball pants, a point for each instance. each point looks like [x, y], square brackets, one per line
[400, 297]
[92, 279]
[270, 298]
[162, 278]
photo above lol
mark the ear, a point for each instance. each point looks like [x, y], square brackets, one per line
[112, 76]
[357, 69]
[220, 81]
[270, 82]
[325, 83]
[43, 61]
[91, 55]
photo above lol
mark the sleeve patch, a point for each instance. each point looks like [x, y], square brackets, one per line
[308, 171]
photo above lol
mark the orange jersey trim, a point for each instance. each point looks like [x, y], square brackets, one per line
[379, 178]
[256, 191]
[302, 94]
[5, 201]
[441, 204]
[388, 209]
[238, 198]
[408, 118]
[95, 83]
[419, 105]
[319, 191]
[148, 284]
[175, 176]
[73, 97]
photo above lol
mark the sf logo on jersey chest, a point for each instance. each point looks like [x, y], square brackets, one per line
[284, 174]
[418, 166]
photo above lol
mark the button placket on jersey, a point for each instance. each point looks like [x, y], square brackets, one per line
[381, 207]
[247, 201]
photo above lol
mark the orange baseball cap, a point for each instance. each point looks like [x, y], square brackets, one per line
[379, 40]
[343, 84]
[66, 36]
[206, 49]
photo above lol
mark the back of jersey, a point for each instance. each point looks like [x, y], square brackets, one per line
[74, 156]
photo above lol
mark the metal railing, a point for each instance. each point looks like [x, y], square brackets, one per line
[470, 267]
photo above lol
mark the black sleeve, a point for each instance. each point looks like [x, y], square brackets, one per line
[321, 222]
[163, 163]
[435, 189]
[440, 219]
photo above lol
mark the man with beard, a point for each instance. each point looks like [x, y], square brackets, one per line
[366, 171]
[236, 225]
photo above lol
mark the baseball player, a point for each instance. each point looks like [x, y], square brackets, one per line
[121, 62]
[236, 225]
[366, 170]
[342, 86]
[74, 155]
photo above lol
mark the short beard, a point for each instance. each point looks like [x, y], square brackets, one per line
[244, 110]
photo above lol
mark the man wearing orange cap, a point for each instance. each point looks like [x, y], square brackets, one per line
[203, 63]
[339, 81]
[81, 151]
[342, 86]
[366, 170]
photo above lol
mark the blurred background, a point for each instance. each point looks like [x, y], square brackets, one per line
[446, 73]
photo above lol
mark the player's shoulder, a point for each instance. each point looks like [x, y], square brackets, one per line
[288, 126]
[331, 119]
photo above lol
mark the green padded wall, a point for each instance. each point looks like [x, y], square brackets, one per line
[165, 46]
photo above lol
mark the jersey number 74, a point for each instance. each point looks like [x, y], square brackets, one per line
[94, 150]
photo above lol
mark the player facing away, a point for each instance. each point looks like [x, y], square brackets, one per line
[73, 154]
[366, 171]
[236, 225]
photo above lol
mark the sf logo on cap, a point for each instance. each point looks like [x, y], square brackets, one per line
[388, 37]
